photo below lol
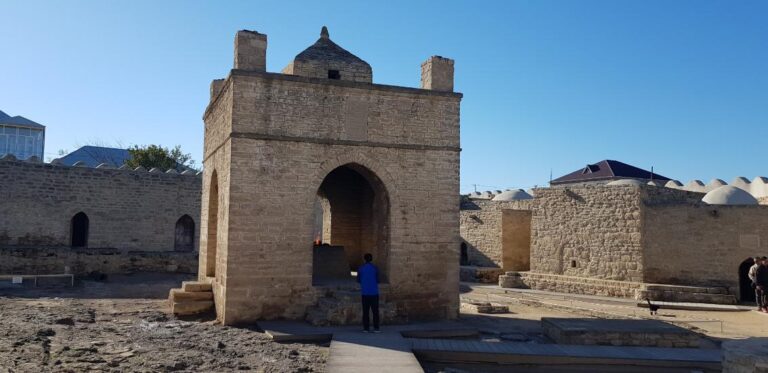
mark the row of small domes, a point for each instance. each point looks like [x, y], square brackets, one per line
[498, 195]
[721, 194]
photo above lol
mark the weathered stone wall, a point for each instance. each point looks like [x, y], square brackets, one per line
[79, 261]
[129, 210]
[701, 245]
[481, 229]
[588, 231]
[288, 133]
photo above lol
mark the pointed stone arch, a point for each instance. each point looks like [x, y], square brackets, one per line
[356, 217]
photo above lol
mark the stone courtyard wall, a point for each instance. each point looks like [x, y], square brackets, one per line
[702, 245]
[481, 229]
[588, 231]
[127, 210]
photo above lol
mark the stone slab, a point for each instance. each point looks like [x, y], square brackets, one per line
[195, 286]
[179, 295]
[459, 351]
[191, 307]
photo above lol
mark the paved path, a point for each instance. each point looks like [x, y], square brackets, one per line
[355, 352]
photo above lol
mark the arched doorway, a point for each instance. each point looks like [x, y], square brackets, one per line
[213, 226]
[746, 292]
[79, 230]
[464, 258]
[354, 205]
[184, 237]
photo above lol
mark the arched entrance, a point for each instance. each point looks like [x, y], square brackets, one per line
[184, 237]
[355, 220]
[746, 292]
[213, 225]
[79, 230]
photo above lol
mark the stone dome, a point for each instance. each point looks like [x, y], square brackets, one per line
[625, 182]
[512, 195]
[326, 59]
[729, 195]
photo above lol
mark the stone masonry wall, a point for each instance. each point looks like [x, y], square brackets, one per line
[288, 133]
[83, 261]
[128, 210]
[481, 229]
[588, 231]
[701, 245]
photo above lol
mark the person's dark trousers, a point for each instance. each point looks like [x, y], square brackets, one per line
[760, 297]
[371, 304]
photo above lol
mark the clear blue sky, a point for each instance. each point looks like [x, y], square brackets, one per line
[548, 85]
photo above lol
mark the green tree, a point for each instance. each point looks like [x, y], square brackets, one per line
[149, 156]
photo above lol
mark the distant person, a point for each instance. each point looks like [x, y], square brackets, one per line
[752, 274]
[368, 277]
[761, 281]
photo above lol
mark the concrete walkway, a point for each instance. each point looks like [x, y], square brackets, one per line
[355, 351]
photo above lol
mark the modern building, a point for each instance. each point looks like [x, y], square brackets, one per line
[21, 137]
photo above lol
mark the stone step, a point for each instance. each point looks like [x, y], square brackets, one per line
[179, 295]
[191, 307]
[196, 286]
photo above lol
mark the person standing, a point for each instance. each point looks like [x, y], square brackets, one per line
[761, 281]
[752, 274]
[368, 277]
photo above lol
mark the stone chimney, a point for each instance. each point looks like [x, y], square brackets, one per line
[250, 51]
[216, 86]
[437, 74]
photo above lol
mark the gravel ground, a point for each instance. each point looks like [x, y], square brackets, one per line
[81, 333]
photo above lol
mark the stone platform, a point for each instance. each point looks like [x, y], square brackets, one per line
[618, 332]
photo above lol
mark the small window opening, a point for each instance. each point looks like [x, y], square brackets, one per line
[464, 259]
[334, 74]
[573, 264]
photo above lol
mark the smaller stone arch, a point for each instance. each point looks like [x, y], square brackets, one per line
[746, 292]
[78, 231]
[184, 234]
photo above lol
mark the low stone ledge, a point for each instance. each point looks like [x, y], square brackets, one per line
[84, 261]
[485, 275]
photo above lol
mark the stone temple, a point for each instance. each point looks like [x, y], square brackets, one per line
[308, 169]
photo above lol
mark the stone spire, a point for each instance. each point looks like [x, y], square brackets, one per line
[324, 33]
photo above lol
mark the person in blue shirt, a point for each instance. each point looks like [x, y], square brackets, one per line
[368, 277]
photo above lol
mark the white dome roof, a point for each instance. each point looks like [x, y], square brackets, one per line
[625, 182]
[674, 184]
[655, 183]
[729, 195]
[512, 195]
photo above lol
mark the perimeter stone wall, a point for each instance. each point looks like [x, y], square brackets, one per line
[128, 210]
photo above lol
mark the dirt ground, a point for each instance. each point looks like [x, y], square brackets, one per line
[122, 325]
